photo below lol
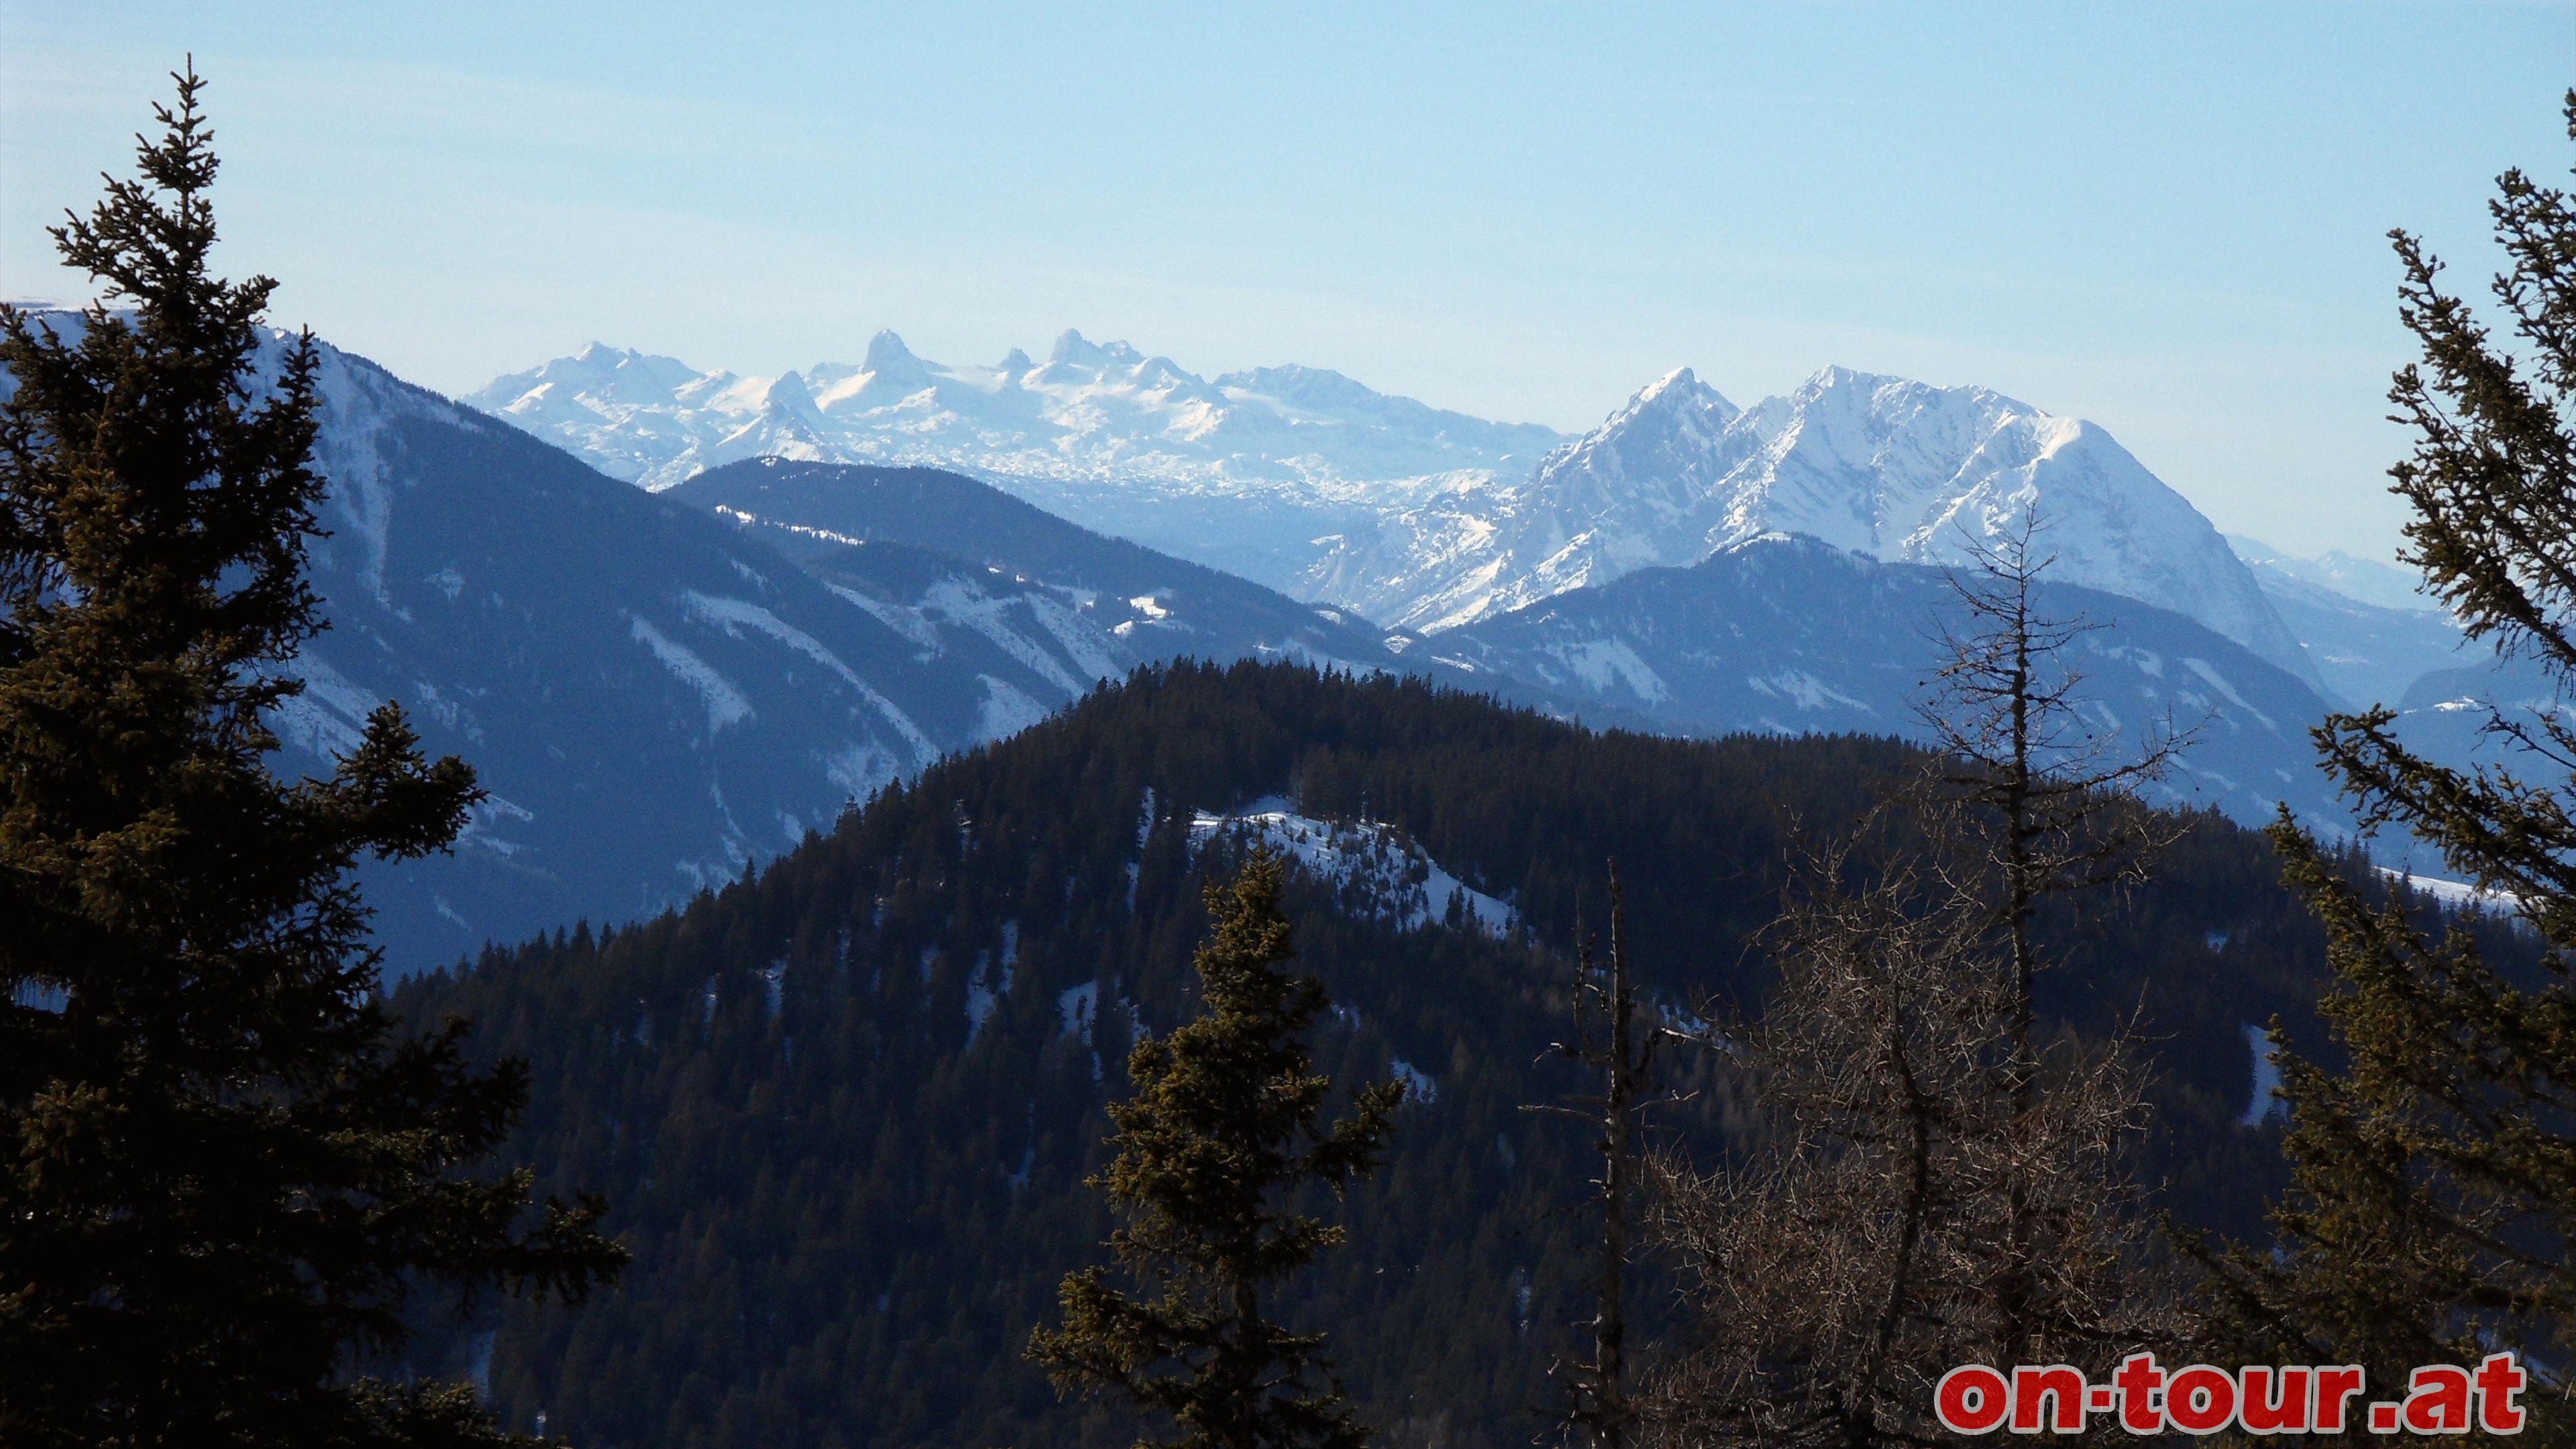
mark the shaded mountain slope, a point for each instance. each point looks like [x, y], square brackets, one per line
[1160, 605]
[2366, 654]
[1786, 634]
[654, 700]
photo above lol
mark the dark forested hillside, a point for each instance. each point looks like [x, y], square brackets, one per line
[843, 1109]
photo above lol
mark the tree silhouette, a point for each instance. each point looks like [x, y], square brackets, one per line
[2433, 1191]
[222, 1173]
[1227, 1120]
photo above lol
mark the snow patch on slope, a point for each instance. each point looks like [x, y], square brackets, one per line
[1376, 870]
[961, 602]
[730, 614]
[907, 624]
[328, 719]
[725, 703]
[1005, 711]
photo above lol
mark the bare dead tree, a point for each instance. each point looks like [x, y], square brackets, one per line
[1598, 1407]
[1851, 1258]
[1932, 1178]
[2033, 796]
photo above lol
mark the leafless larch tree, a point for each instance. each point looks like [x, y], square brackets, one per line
[1932, 1176]
[1598, 1410]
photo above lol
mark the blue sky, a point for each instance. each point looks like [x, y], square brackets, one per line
[2168, 219]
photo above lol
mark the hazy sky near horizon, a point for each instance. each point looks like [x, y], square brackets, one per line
[2167, 218]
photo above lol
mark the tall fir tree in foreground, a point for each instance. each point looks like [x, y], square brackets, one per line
[2434, 1175]
[1227, 1123]
[223, 1172]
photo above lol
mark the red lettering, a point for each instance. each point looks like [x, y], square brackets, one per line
[2138, 1379]
[2499, 1379]
[1971, 1399]
[2335, 1388]
[2272, 1401]
[2437, 1400]
[2063, 1383]
[2200, 1400]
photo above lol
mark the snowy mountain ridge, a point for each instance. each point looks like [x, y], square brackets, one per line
[1881, 467]
[1314, 484]
[1096, 412]
[2375, 582]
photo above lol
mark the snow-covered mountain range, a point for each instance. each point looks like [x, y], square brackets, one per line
[2381, 585]
[1239, 471]
[662, 688]
[1422, 519]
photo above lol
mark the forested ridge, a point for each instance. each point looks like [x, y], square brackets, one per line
[849, 1200]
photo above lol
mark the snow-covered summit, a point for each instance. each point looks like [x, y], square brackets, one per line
[1880, 466]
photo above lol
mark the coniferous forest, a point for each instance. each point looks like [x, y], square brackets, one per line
[844, 1108]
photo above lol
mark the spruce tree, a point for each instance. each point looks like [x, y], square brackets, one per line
[1227, 1122]
[223, 1170]
[2433, 1185]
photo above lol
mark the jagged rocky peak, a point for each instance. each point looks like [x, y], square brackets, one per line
[1678, 391]
[1855, 413]
[1662, 440]
[1074, 349]
[889, 373]
[789, 394]
[889, 358]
